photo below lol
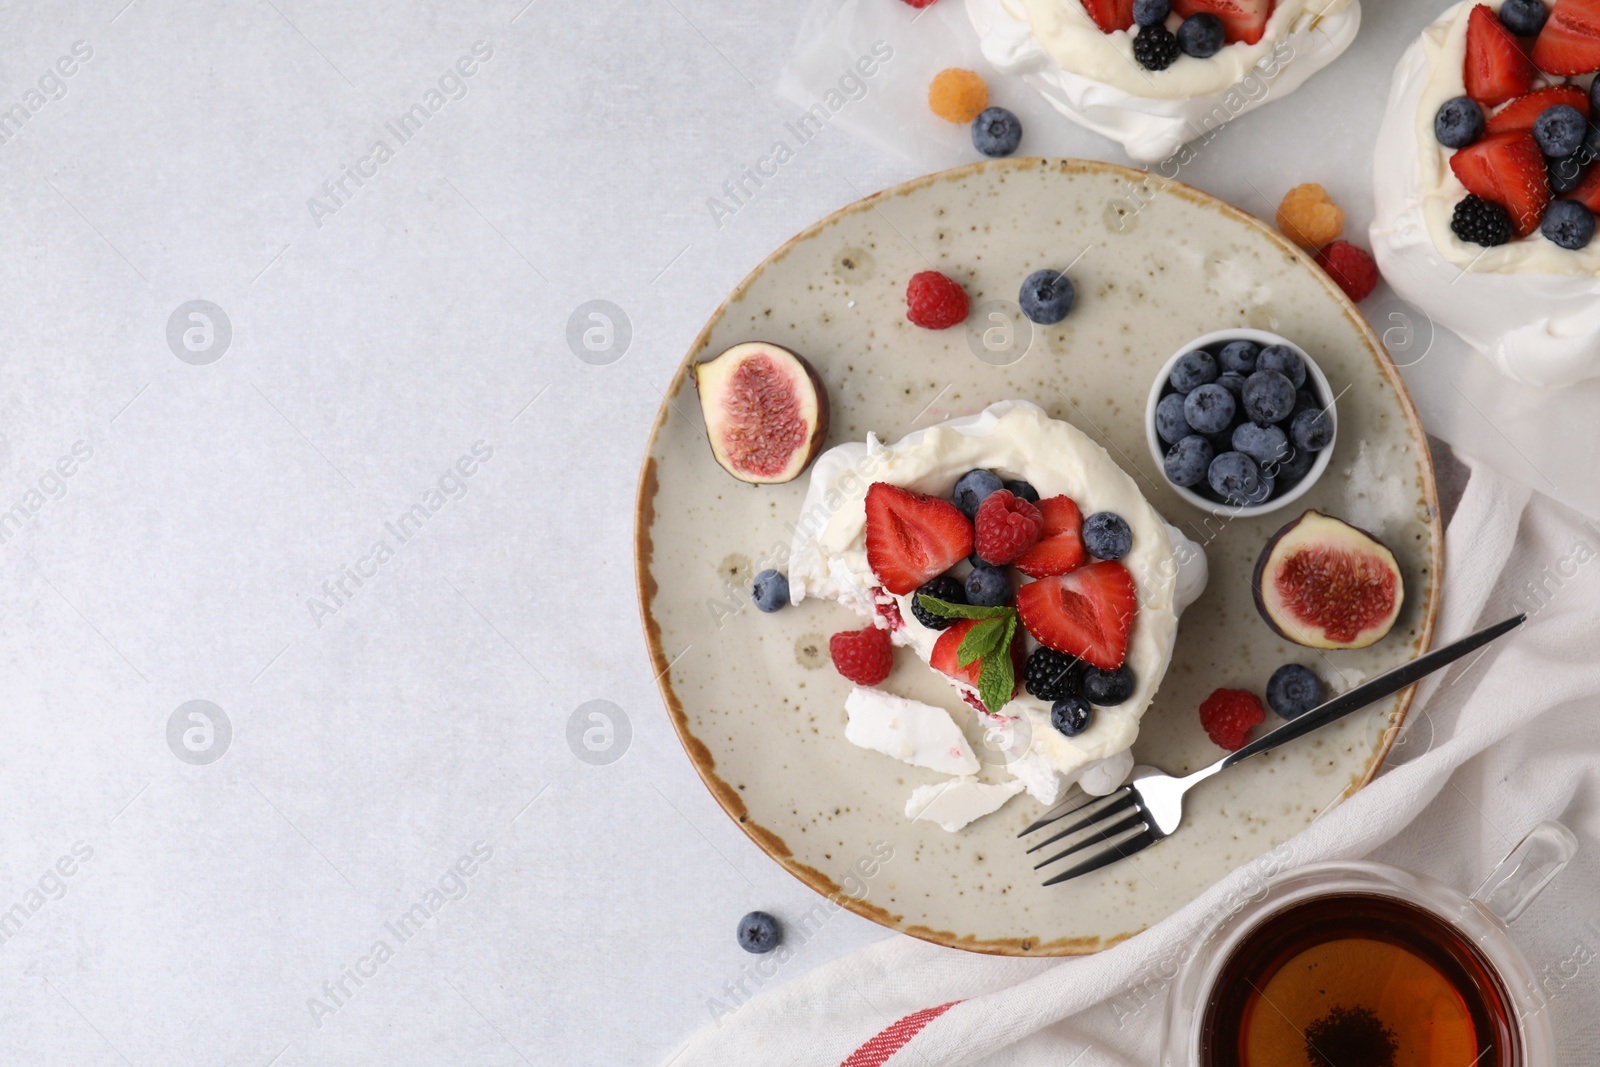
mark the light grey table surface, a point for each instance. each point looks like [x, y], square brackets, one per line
[264, 508]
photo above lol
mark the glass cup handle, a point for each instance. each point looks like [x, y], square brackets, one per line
[1529, 867]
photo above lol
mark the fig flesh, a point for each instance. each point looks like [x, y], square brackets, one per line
[766, 411]
[1323, 583]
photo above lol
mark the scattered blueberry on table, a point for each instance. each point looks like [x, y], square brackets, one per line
[759, 933]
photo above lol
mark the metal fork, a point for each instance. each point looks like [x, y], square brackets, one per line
[1150, 805]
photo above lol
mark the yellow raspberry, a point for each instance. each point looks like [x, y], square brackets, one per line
[1309, 217]
[957, 95]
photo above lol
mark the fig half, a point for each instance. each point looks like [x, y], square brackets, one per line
[766, 411]
[1323, 583]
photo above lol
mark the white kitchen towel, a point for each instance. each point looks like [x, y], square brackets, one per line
[1493, 746]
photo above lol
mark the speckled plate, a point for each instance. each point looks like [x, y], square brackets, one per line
[757, 705]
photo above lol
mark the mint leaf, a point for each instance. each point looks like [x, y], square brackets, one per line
[981, 640]
[946, 610]
[996, 680]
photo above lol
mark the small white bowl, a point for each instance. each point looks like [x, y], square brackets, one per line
[1314, 377]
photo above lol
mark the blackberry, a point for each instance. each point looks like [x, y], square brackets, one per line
[945, 588]
[1052, 675]
[1481, 222]
[1156, 47]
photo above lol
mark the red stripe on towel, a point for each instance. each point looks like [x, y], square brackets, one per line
[892, 1039]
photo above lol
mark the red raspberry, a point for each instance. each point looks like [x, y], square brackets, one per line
[935, 302]
[1228, 716]
[1007, 526]
[920, 3]
[1351, 267]
[864, 656]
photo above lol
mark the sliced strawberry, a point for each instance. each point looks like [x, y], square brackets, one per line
[1244, 20]
[1087, 613]
[1110, 15]
[912, 537]
[1520, 113]
[1569, 44]
[1588, 191]
[1060, 547]
[944, 659]
[1496, 68]
[1507, 168]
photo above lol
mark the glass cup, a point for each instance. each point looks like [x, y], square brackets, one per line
[1209, 1012]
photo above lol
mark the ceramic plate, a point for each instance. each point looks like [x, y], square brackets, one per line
[756, 703]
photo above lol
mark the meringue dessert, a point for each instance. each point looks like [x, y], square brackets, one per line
[1086, 58]
[1081, 601]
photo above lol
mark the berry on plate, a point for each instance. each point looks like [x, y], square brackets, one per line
[934, 301]
[1293, 690]
[1239, 356]
[1087, 613]
[1046, 297]
[1268, 397]
[1195, 369]
[1156, 48]
[1228, 716]
[1525, 18]
[1311, 430]
[1568, 224]
[1187, 461]
[1559, 130]
[1521, 113]
[912, 538]
[1171, 424]
[1286, 361]
[1107, 535]
[1151, 12]
[1481, 222]
[945, 588]
[770, 591]
[865, 657]
[1351, 268]
[1071, 716]
[1507, 168]
[1202, 35]
[1244, 20]
[1308, 216]
[989, 587]
[1019, 488]
[1569, 43]
[1209, 409]
[973, 488]
[759, 933]
[1108, 688]
[1060, 545]
[1052, 675]
[957, 95]
[1264, 444]
[1006, 527]
[1496, 69]
[1110, 15]
[996, 132]
[1237, 479]
[1459, 122]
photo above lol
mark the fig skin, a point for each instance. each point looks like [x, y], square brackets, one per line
[1316, 529]
[711, 374]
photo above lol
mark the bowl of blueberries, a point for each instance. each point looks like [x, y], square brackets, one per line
[1241, 422]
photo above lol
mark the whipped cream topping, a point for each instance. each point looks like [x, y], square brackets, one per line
[1531, 307]
[1015, 439]
[1093, 78]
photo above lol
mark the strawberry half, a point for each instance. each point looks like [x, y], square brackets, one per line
[1520, 113]
[1110, 15]
[1507, 168]
[1060, 546]
[1569, 44]
[911, 537]
[943, 658]
[1088, 613]
[1496, 68]
[1243, 20]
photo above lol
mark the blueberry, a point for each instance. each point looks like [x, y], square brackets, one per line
[1264, 444]
[973, 488]
[1151, 12]
[1268, 397]
[1052, 675]
[1234, 477]
[1106, 535]
[1233, 382]
[1594, 96]
[1022, 490]
[1565, 174]
[770, 591]
[1071, 715]
[1188, 460]
[1294, 467]
[1195, 369]
[989, 587]
[1525, 18]
[1170, 423]
[996, 132]
[1311, 430]
[1240, 356]
[1107, 688]
[945, 588]
[1264, 491]
[1293, 690]
[1202, 35]
[1285, 361]
[1209, 408]
[1305, 398]
[1569, 224]
[1459, 122]
[1046, 296]
[1560, 130]
[759, 933]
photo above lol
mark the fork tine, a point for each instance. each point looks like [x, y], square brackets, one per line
[1135, 818]
[1054, 814]
[1123, 803]
[1119, 851]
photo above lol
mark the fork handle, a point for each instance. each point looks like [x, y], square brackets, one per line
[1363, 695]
